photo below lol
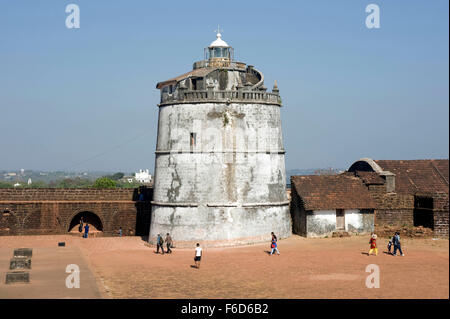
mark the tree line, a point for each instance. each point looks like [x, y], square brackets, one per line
[107, 181]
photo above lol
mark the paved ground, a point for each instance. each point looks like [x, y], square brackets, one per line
[307, 268]
[48, 274]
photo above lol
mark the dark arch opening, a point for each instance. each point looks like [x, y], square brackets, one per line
[95, 223]
[361, 166]
[423, 214]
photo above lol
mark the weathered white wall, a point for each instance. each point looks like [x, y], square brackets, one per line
[352, 219]
[240, 127]
[238, 160]
[208, 178]
[359, 221]
[221, 223]
[320, 223]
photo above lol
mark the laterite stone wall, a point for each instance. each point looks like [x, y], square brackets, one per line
[51, 210]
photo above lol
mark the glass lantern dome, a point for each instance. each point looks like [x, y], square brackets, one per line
[219, 51]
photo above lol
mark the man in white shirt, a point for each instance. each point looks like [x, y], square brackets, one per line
[198, 256]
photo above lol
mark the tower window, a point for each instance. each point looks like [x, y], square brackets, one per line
[193, 139]
[219, 52]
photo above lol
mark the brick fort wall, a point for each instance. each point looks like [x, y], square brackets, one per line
[52, 210]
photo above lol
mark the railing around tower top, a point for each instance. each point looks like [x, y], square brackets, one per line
[218, 62]
[186, 96]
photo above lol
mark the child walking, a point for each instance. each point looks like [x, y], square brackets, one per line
[390, 243]
[373, 245]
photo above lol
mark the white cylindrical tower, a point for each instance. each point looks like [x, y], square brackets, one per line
[219, 165]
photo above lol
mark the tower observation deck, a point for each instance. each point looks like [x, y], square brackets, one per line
[219, 165]
[218, 78]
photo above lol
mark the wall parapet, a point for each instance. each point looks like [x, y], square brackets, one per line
[68, 194]
[220, 96]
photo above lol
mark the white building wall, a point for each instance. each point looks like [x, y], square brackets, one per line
[143, 176]
[236, 168]
[359, 221]
[353, 219]
[320, 223]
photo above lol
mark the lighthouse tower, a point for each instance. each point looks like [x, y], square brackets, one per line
[219, 166]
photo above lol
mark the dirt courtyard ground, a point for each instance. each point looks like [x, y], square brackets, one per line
[307, 268]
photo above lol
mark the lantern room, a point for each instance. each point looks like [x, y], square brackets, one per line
[219, 53]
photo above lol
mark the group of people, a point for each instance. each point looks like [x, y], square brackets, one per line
[198, 250]
[86, 228]
[160, 243]
[169, 244]
[394, 241]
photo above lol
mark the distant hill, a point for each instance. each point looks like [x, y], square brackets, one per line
[15, 176]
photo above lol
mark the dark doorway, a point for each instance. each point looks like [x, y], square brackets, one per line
[95, 223]
[340, 219]
[423, 212]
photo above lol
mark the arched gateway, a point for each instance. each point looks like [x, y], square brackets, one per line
[95, 223]
[56, 211]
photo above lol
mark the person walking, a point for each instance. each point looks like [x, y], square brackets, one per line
[159, 244]
[80, 228]
[397, 245]
[120, 231]
[373, 245]
[141, 196]
[168, 243]
[198, 256]
[86, 230]
[274, 245]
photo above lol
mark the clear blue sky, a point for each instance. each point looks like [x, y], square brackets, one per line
[85, 99]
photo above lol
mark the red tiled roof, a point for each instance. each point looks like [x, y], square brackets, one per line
[442, 166]
[323, 192]
[418, 176]
[196, 72]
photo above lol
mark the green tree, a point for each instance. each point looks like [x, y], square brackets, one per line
[76, 182]
[5, 185]
[104, 182]
[121, 184]
[117, 176]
